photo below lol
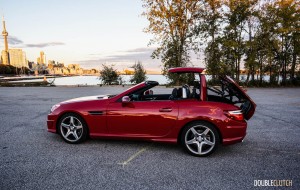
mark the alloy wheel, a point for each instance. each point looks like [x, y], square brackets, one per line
[200, 140]
[71, 129]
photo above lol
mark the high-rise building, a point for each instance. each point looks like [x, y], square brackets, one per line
[17, 58]
[41, 59]
[5, 53]
[14, 57]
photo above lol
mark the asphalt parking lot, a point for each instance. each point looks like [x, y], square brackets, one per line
[32, 158]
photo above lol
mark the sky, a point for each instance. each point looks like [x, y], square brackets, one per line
[88, 32]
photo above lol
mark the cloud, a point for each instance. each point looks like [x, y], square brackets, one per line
[138, 54]
[143, 49]
[124, 59]
[12, 40]
[41, 45]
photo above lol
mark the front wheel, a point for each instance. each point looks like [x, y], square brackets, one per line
[72, 128]
[200, 138]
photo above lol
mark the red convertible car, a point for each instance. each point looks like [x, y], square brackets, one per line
[195, 115]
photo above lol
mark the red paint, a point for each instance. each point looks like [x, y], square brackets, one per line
[154, 120]
[203, 95]
[186, 70]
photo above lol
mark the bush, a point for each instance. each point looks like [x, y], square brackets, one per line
[108, 75]
[139, 73]
[7, 69]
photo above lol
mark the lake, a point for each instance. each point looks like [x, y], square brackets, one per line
[94, 80]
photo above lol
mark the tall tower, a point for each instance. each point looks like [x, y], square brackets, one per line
[5, 55]
[41, 59]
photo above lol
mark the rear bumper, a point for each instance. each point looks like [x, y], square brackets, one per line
[51, 124]
[234, 133]
[229, 141]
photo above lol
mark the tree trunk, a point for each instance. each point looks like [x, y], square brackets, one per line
[238, 70]
[252, 73]
[260, 71]
[248, 75]
[293, 65]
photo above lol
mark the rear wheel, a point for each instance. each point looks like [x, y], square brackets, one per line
[72, 128]
[200, 139]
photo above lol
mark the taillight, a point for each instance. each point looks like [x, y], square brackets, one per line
[235, 115]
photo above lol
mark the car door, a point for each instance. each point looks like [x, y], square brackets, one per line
[142, 118]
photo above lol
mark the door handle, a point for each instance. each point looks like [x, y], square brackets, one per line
[165, 109]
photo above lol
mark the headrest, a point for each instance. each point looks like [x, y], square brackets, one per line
[175, 93]
[184, 93]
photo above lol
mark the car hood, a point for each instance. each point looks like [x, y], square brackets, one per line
[248, 107]
[87, 98]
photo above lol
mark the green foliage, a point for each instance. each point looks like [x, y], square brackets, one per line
[172, 24]
[182, 78]
[139, 73]
[264, 36]
[11, 70]
[108, 75]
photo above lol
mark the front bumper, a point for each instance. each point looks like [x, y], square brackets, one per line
[51, 123]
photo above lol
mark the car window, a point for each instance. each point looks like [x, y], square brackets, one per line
[156, 93]
[159, 93]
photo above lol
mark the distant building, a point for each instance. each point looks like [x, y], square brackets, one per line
[30, 64]
[90, 72]
[17, 58]
[74, 66]
[4, 57]
[60, 64]
[4, 53]
[14, 57]
[42, 58]
[52, 62]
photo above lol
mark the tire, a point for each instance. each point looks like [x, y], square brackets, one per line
[72, 128]
[200, 138]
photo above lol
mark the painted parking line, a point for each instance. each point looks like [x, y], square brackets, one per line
[133, 157]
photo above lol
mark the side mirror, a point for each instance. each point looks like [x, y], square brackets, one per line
[125, 99]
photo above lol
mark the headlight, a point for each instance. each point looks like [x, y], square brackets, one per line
[54, 108]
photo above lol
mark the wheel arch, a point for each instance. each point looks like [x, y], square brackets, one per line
[199, 120]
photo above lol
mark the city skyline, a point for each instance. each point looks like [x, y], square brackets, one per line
[88, 34]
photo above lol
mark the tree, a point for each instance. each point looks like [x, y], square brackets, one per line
[108, 75]
[172, 22]
[139, 73]
[208, 30]
[236, 15]
[280, 26]
[287, 28]
[262, 34]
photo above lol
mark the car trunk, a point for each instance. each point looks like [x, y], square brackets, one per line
[230, 92]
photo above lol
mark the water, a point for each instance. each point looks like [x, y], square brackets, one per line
[94, 80]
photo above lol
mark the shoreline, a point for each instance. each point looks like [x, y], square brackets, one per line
[43, 84]
[93, 81]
